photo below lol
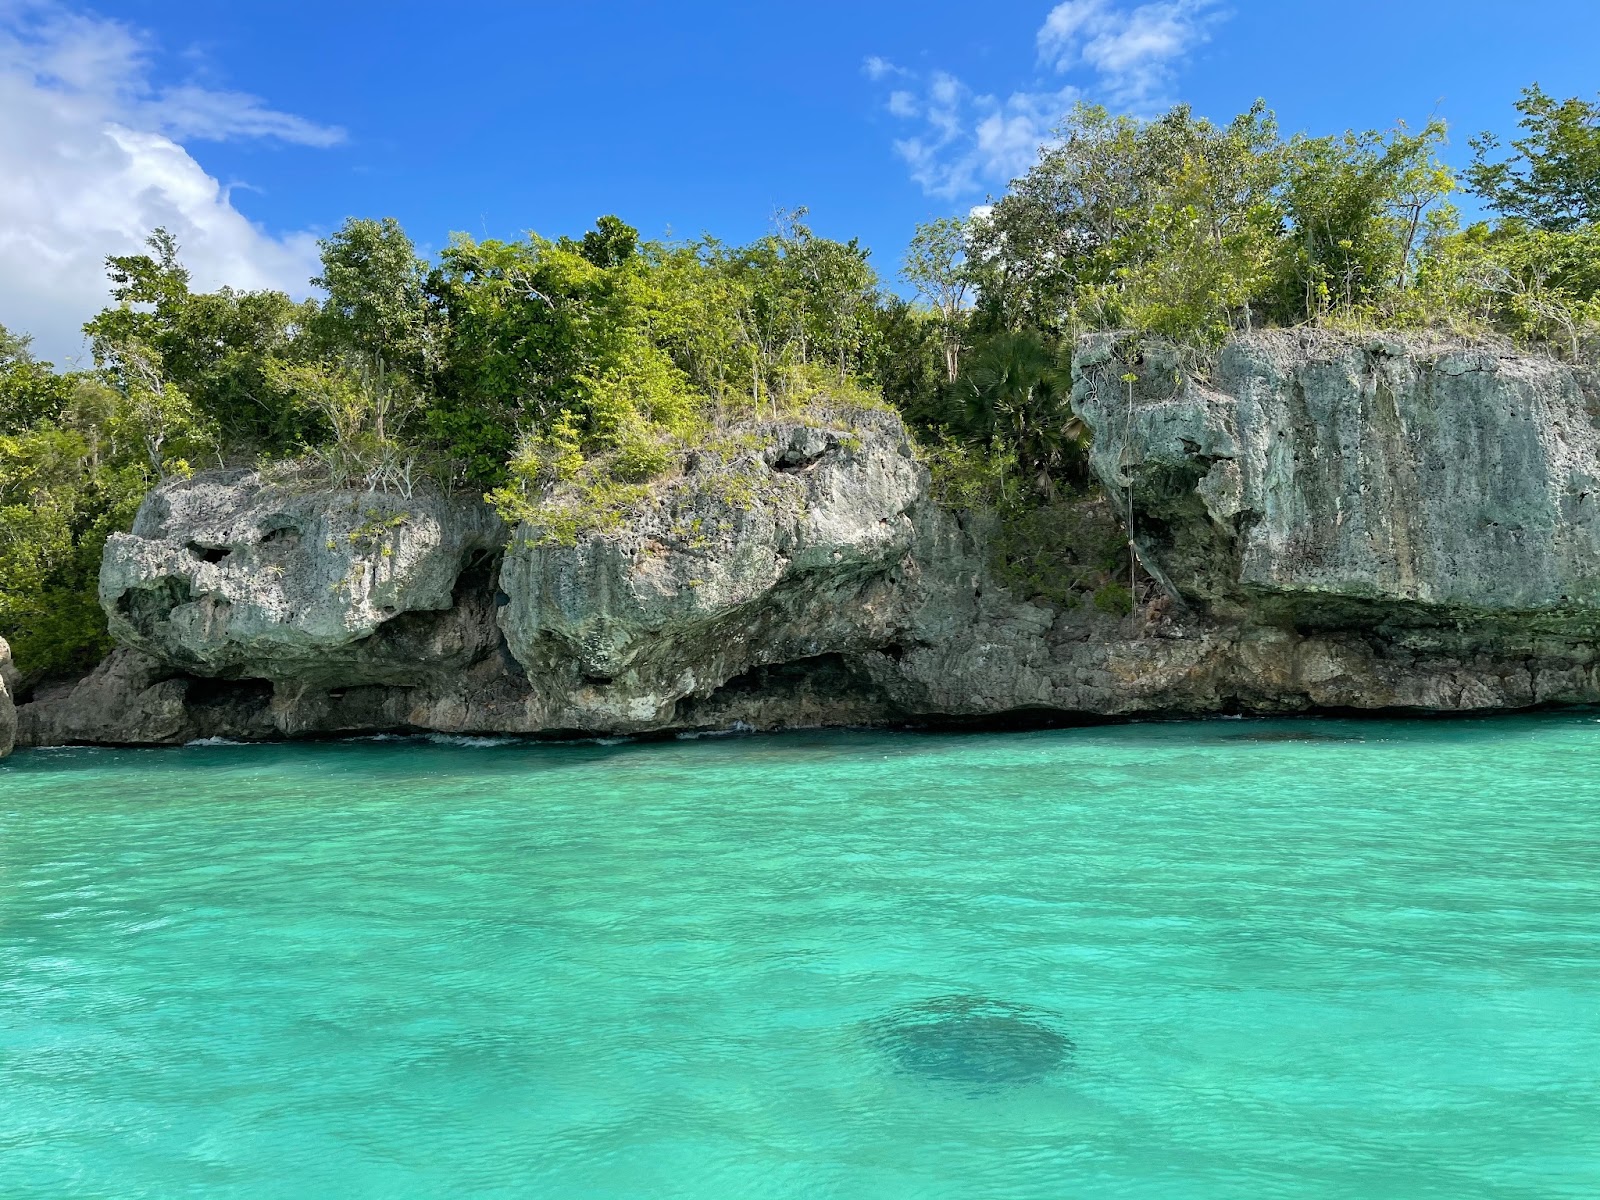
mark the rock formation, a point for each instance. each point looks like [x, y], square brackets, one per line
[789, 553]
[228, 574]
[1324, 522]
[1319, 475]
[8, 712]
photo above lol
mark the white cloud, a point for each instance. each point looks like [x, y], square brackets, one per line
[191, 112]
[876, 68]
[1132, 51]
[90, 163]
[970, 141]
[904, 104]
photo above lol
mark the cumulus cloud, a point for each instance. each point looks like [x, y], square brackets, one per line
[91, 160]
[966, 141]
[971, 140]
[1134, 51]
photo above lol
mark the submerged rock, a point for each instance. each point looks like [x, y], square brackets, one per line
[1323, 523]
[973, 1042]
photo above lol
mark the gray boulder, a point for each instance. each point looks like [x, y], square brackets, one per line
[227, 573]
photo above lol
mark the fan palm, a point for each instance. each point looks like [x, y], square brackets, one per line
[1015, 389]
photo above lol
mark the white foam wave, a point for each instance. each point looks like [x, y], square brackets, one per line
[695, 734]
[215, 741]
[477, 743]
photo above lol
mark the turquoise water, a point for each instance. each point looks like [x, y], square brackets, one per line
[1226, 959]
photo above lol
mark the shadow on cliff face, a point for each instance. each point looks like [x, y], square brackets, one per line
[827, 689]
[147, 608]
[429, 643]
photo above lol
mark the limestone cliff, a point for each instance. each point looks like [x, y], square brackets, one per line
[1324, 522]
[1318, 476]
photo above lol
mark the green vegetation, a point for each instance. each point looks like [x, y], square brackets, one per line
[1195, 232]
[72, 469]
[565, 378]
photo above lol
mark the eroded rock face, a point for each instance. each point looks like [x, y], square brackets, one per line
[1320, 474]
[793, 552]
[132, 698]
[228, 574]
[1325, 524]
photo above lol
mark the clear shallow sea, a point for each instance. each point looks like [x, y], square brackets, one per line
[1224, 959]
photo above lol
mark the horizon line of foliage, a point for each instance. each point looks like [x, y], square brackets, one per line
[572, 372]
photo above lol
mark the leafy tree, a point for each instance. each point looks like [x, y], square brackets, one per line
[1206, 250]
[1120, 206]
[68, 477]
[768, 312]
[212, 347]
[532, 327]
[797, 302]
[610, 243]
[1552, 178]
[936, 265]
[30, 391]
[694, 316]
[542, 336]
[909, 364]
[378, 303]
[153, 413]
[219, 350]
[1355, 205]
[840, 288]
[150, 291]
[512, 335]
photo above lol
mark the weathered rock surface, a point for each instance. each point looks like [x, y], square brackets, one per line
[1319, 470]
[134, 698]
[1326, 523]
[8, 712]
[226, 574]
[788, 554]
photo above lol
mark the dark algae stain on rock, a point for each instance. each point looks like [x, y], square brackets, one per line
[973, 1042]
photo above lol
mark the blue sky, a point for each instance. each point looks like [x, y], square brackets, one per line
[253, 127]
